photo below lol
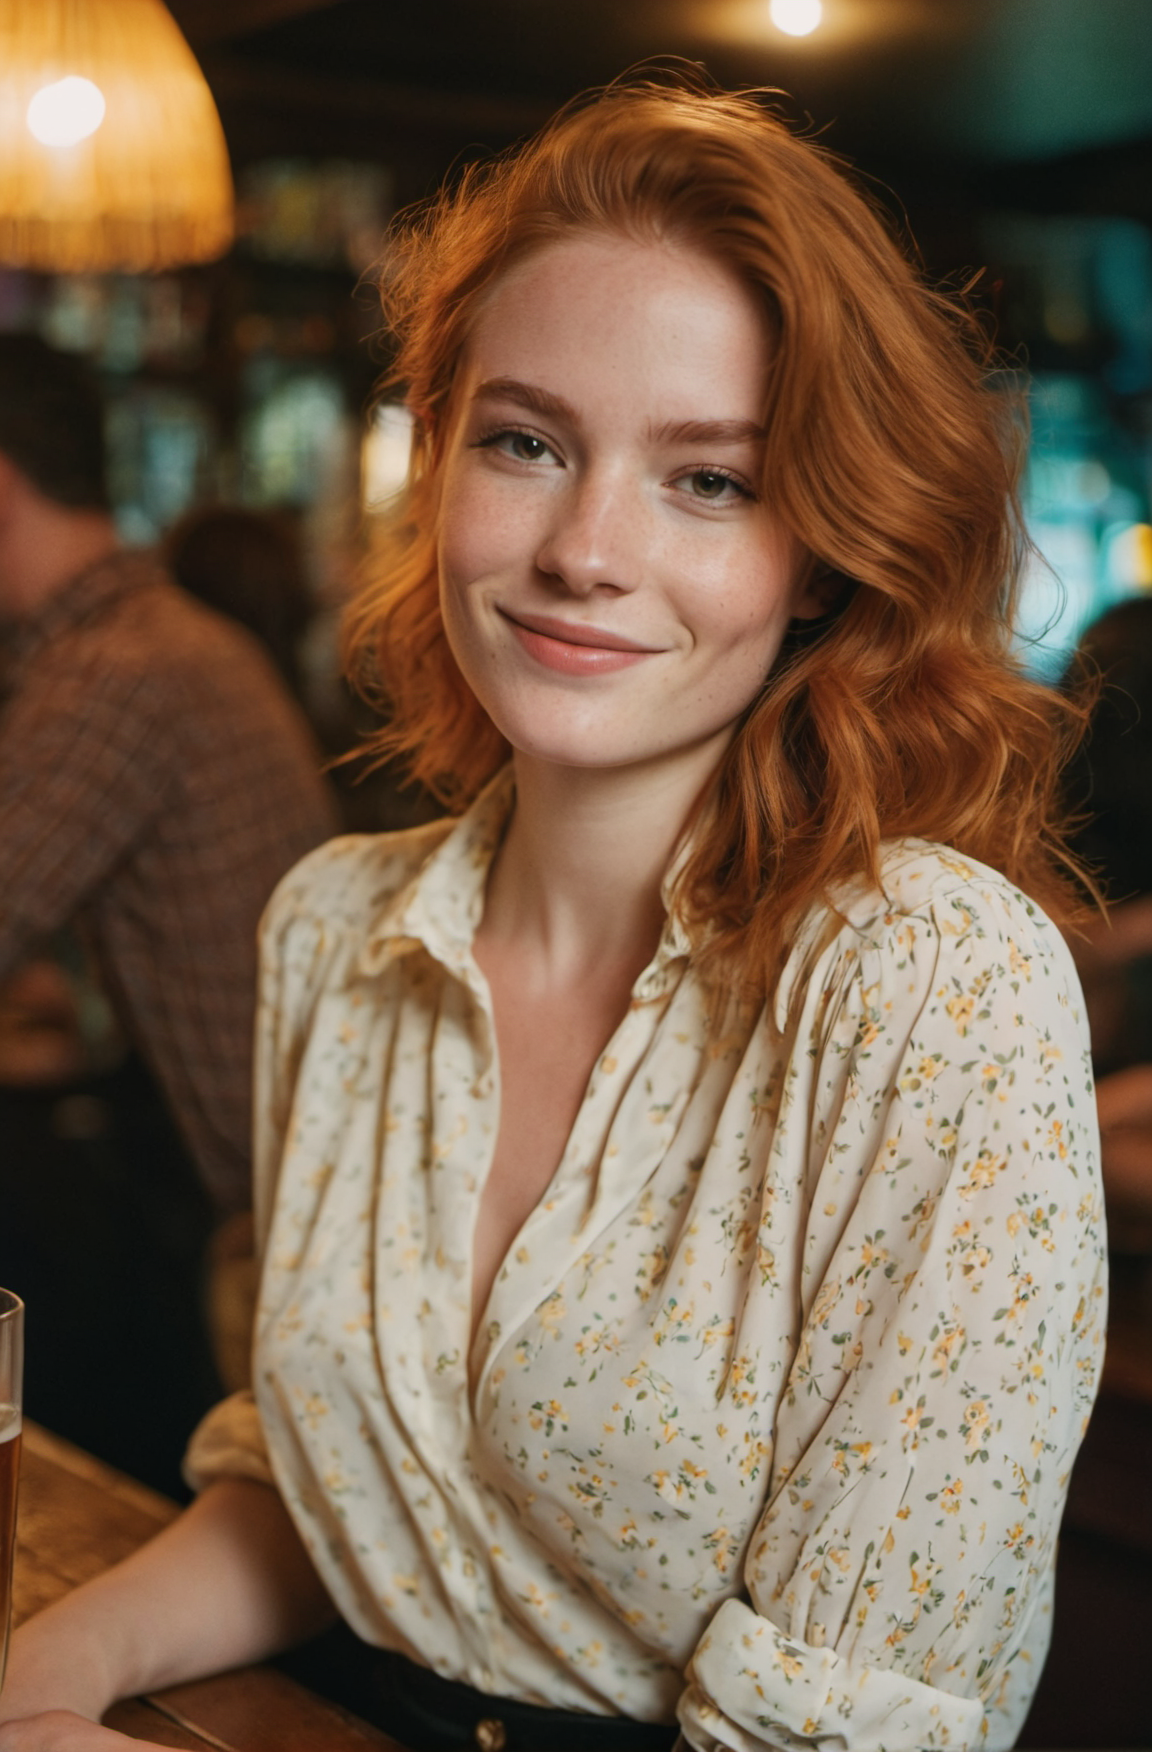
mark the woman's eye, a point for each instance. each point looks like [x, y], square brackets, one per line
[524, 446]
[709, 484]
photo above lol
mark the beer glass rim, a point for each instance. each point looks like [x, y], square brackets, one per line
[10, 1304]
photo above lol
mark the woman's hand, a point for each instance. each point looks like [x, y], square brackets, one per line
[60, 1730]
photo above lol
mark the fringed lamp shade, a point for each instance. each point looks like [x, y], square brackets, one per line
[111, 152]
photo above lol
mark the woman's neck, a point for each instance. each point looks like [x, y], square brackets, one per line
[576, 883]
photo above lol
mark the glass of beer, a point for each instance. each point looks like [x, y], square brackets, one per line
[11, 1386]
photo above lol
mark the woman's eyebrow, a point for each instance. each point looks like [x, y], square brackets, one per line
[527, 395]
[543, 402]
[709, 432]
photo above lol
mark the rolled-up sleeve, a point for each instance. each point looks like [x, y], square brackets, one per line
[897, 1590]
[228, 1443]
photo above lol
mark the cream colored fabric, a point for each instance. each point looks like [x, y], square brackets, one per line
[233, 1285]
[781, 1383]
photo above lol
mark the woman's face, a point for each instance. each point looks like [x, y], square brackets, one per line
[613, 586]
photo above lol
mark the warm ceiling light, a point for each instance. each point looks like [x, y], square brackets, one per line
[796, 17]
[66, 112]
[111, 151]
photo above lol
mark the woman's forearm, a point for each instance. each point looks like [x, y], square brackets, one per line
[227, 1583]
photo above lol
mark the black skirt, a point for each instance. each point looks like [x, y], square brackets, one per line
[428, 1714]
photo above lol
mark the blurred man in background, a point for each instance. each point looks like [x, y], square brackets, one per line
[248, 565]
[156, 780]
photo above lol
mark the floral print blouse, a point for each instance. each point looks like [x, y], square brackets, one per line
[770, 1416]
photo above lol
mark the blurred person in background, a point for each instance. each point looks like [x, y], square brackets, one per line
[1104, 1568]
[1110, 785]
[247, 565]
[250, 566]
[156, 780]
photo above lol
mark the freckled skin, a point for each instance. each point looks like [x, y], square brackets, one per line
[600, 516]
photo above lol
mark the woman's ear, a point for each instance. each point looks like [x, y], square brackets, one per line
[820, 591]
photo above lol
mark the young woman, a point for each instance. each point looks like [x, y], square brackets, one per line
[682, 1292]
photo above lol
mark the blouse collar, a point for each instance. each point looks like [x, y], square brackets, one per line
[440, 909]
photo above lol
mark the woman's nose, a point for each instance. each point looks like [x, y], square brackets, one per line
[595, 536]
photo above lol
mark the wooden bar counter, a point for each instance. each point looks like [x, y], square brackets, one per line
[78, 1517]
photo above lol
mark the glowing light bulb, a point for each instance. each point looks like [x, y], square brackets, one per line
[66, 112]
[796, 17]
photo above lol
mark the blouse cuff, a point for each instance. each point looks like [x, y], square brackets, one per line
[786, 1694]
[228, 1443]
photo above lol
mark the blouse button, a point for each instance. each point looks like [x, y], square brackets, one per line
[489, 1734]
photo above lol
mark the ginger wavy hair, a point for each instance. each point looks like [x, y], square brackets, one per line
[889, 456]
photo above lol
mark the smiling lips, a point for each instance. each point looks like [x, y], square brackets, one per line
[573, 649]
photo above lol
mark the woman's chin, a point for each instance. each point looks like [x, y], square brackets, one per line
[554, 734]
[585, 754]
[599, 751]
[607, 733]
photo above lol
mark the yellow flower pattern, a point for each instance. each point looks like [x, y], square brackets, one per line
[769, 1419]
